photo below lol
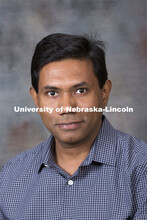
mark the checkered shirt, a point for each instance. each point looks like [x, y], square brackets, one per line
[111, 183]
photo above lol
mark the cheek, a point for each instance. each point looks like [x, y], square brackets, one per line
[47, 118]
[90, 102]
[92, 118]
[95, 99]
[46, 101]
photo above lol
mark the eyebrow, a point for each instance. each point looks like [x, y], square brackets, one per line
[49, 88]
[56, 88]
[80, 84]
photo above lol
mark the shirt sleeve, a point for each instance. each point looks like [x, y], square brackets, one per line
[140, 197]
[1, 216]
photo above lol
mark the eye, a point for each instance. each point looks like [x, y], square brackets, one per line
[81, 90]
[52, 93]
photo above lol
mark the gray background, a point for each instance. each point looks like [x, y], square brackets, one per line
[121, 23]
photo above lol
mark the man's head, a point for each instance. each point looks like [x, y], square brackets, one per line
[58, 46]
[70, 71]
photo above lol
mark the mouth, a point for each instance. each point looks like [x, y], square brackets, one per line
[70, 125]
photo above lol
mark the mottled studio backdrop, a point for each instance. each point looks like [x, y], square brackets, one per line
[121, 23]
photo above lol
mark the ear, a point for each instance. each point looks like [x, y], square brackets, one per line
[34, 96]
[106, 92]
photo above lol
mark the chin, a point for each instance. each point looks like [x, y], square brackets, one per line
[72, 140]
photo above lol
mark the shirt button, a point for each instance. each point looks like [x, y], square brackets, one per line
[70, 182]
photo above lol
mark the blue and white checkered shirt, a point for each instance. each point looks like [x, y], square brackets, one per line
[111, 184]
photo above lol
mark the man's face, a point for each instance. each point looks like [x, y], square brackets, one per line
[71, 83]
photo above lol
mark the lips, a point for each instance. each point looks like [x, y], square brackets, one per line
[69, 125]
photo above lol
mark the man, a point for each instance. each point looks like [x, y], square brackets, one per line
[86, 170]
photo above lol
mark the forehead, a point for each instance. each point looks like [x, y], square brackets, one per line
[67, 72]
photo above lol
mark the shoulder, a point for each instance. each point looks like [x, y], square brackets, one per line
[138, 146]
[24, 162]
[125, 143]
[28, 154]
[133, 152]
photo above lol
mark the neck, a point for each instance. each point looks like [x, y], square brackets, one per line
[70, 157]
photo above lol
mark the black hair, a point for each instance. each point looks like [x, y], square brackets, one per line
[56, 47]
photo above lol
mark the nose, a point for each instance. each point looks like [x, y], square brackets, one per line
[67, 101]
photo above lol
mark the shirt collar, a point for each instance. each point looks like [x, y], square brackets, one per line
[102, 151]
[105, 144]
[104, 148]
[47, 158]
